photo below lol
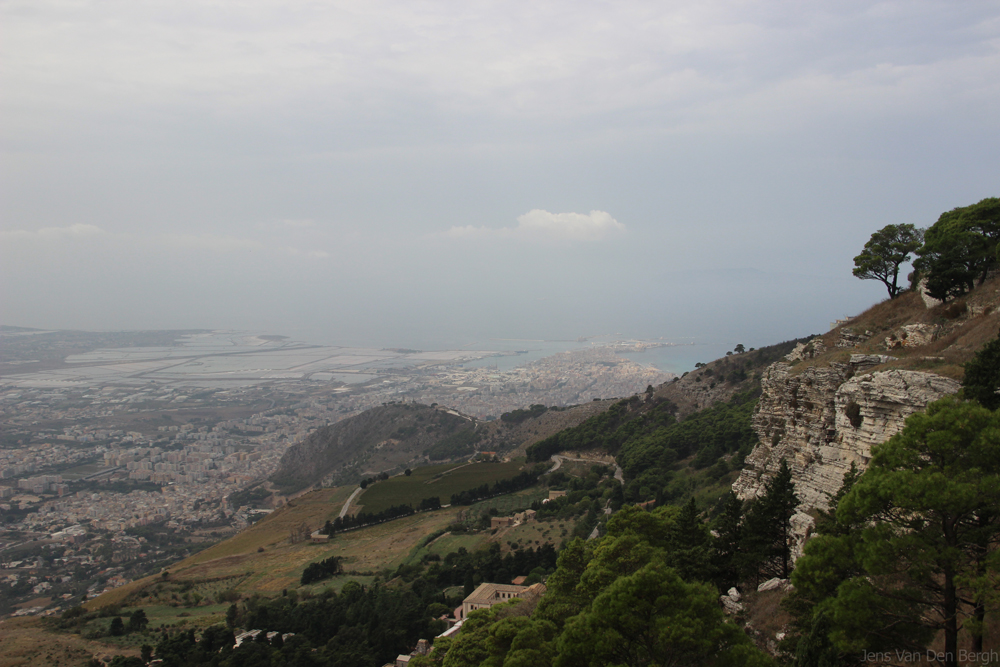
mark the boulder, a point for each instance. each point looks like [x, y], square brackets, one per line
[773, 584]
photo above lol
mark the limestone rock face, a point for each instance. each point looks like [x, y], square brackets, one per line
[825, 418]
[884, 402]
[813, 348]
[912, 335]
[795, 421]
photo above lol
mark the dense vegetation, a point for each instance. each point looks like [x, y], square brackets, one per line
[649, 456]
[650, 442]
[620, 600]
[360, 626]
[461, 443]
[518, 416]
[323, 569]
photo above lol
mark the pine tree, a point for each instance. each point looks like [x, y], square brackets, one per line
[982, 376]
[689, 545]
[767, 529]
[137, 622]
[727, 550]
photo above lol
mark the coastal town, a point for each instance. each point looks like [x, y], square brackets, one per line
[105, 480]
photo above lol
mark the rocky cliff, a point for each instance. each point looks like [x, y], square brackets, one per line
[824, 418]
[832, 398]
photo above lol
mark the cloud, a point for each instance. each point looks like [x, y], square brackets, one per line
[211, 242]
[76, 231]
[170, 242]
[298, 224]
[538, 224]
[315, 254]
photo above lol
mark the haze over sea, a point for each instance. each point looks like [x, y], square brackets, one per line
[673, 356]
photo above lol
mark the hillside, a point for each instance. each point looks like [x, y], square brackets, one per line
[384, 438]
[687, 437]
[721, 379]
[396, 436]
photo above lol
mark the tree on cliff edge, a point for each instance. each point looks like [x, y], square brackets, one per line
[887, 250]
[982, 376]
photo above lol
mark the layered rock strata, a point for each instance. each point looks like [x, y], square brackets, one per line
[824, 419]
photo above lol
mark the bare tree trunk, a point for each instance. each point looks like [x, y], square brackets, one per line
[950, 620]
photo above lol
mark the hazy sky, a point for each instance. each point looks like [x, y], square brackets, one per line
[429, 173]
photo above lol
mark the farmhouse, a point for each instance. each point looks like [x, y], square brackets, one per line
[517, 519]
[488, 595]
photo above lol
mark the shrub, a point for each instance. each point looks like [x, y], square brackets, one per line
[853, 412]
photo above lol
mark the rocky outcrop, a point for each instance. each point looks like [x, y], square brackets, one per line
[850, 338]
[823, 419]
[731, 602]
[912, 335]
[804, 351]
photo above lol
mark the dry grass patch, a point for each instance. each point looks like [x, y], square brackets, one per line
[280, 566]
[311, 509]
[967, 324]
[25, 642]
[766, 616]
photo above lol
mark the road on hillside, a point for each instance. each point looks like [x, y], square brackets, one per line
[347, 505]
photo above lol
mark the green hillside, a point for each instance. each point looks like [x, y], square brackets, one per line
[439, 481]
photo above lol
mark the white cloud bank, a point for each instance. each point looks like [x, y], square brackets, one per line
[543, 225]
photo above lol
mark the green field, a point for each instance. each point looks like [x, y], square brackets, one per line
[441, 481]
[512, 502]
[445, 544]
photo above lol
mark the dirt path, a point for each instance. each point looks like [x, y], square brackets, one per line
[347, 504]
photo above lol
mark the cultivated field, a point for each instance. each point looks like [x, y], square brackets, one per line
[262, 559]
[429, 481]
[535, 533]
[512, 502]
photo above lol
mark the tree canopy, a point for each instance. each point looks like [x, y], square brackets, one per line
[982, 376]
[960, 249]
[921, 557]
[618, 600]
[887, 250]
